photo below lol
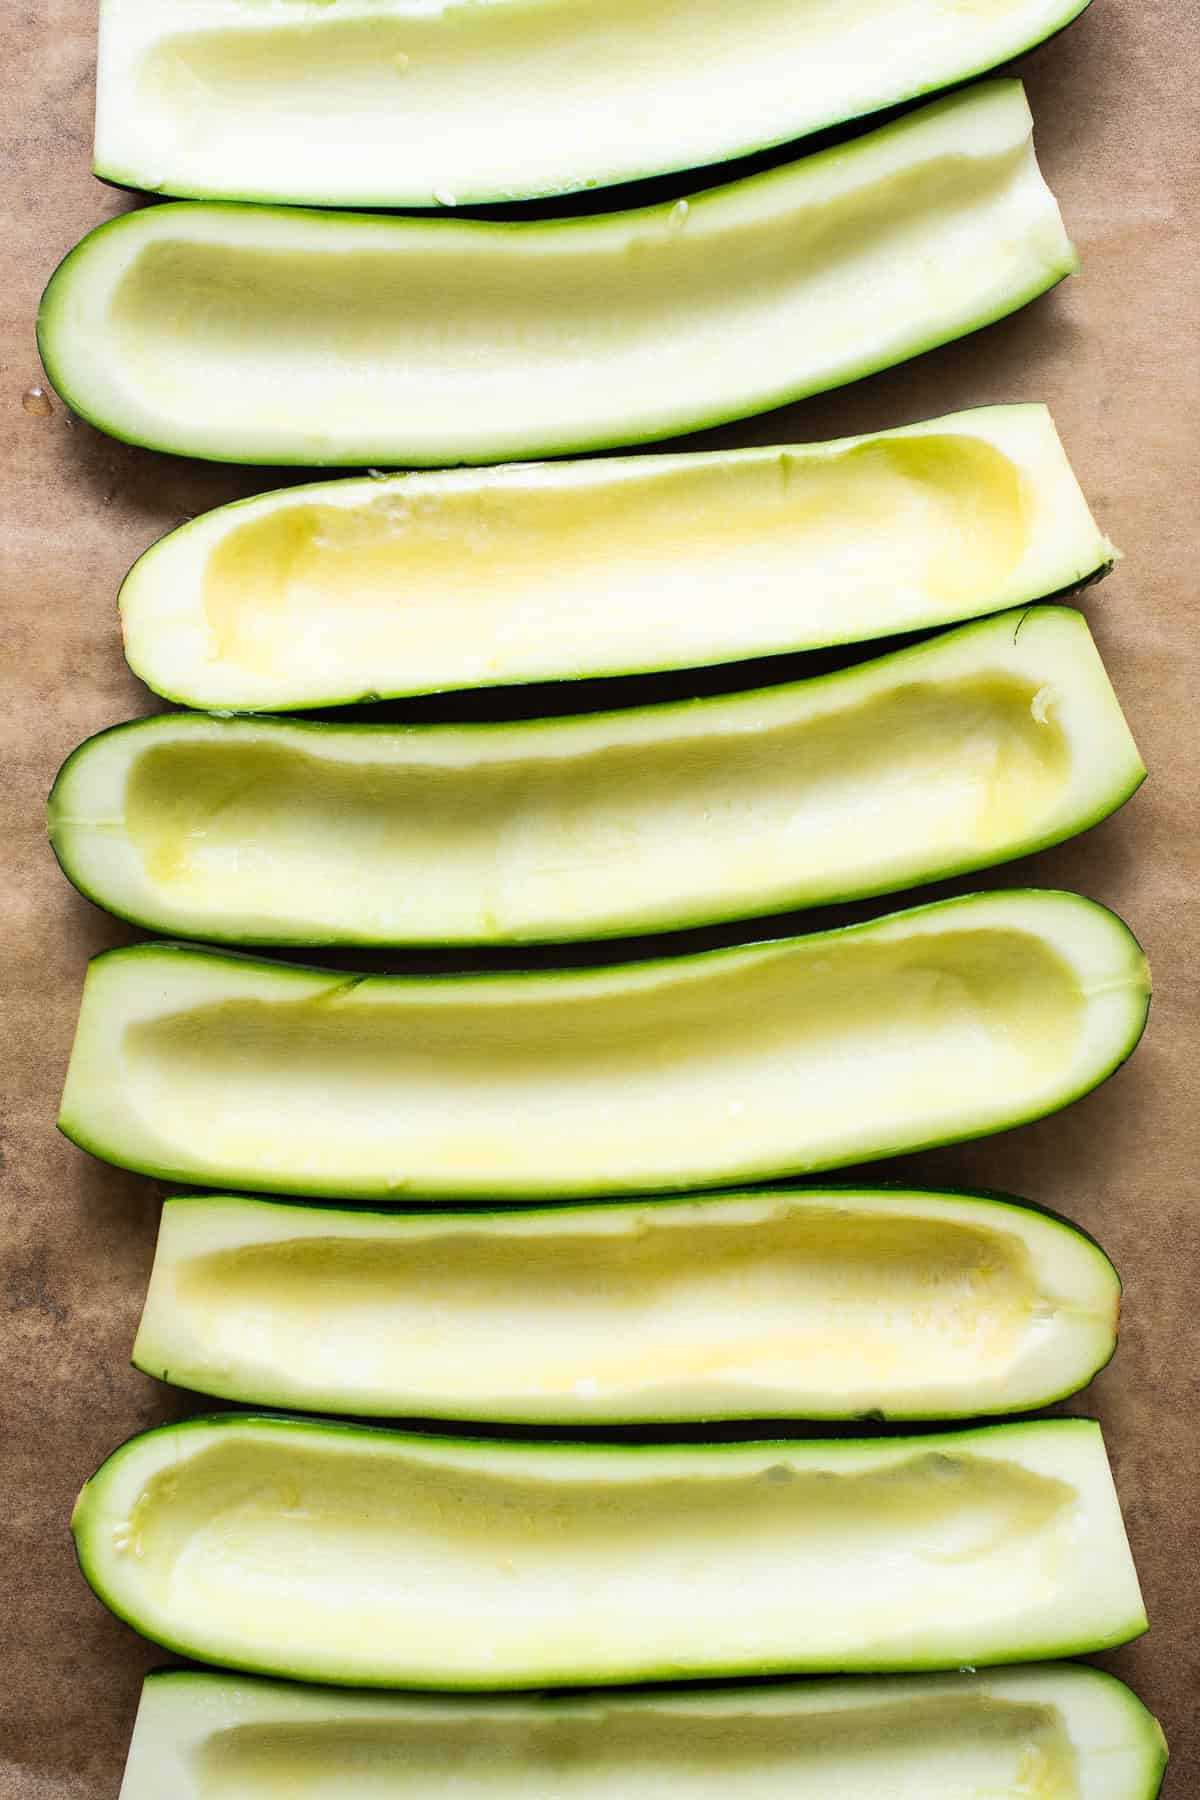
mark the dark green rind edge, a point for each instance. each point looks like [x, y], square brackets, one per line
[633, 1673]
[1149, 1731]
[623, 925]
[471, 454]
[344, 1190]
[128, 181]
[334, 1403]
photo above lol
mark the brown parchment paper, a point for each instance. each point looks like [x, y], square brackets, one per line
[1114, 353]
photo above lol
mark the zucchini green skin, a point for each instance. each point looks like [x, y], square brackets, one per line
[182, 1709]
[1064, 658]
[92, 1531]
[93, 1090]
[76, 307]
[221, 1378]
[383, 181]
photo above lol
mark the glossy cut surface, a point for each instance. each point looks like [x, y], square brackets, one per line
[250, 334]
[945, 1022]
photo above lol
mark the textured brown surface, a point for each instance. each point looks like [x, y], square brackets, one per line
[1118, 121]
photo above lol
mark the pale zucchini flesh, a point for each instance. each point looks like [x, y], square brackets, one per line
[830, 1303]
[357, 1555]
[1055, 1731]
[957, 754]
[401, 103]
[933, 1025]
[252, 334]
[361, 588]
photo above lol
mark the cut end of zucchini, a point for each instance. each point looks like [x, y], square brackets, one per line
[255, 335]
[837, 1304]
[942, 1023]
[396, 104]
[1060, 1731]
[361, 1556]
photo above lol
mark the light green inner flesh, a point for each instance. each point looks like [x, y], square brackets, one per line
[402, 334]
[913, 779]
[818, 1299]
[554, 580]
[944, 1748]
[379, 1562]
[848, 1042]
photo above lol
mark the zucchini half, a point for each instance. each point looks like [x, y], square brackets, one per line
[818, 1304]
[353, 1554]
[942, 1023]
[403, 103]
[1058, 1731]
[358, 589]
[956, 754]
[246, 334]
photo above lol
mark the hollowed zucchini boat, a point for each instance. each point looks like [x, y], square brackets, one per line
[959, 753]
[353, 589]
[817, 1304]
[941, 1023]
[1058, 1731]
[400, 103]
[250, 334]
[353, 1554]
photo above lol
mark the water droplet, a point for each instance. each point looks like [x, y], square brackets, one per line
[377, 475]
[400, 62]
[444, 197]
[37, 401]
[677, 217]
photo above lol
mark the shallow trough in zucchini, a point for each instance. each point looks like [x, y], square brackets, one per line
[361, 588]
[251, 334]
[956, 754]
[400, 103]
[1061, 1731]
[817, 1304]
[941, 1023]
[358, 1555]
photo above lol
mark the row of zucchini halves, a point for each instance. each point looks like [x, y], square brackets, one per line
[364, 1556]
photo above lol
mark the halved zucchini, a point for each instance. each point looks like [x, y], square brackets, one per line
[248, 334]
[818, 1304]
[1056, 1731]
[353, 1554]
[355, 589]
[937, 1024]
[405, 103]
[962, 752]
